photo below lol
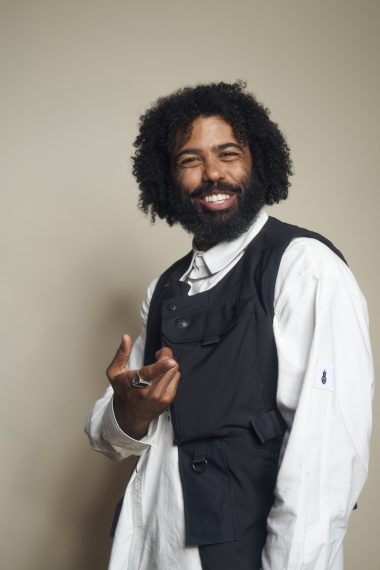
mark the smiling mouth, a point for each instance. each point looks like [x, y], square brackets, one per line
[217, 200]
[217, 197]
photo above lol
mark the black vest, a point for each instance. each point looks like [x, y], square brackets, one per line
[226, 424]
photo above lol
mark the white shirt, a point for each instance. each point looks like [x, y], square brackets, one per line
[325, 385]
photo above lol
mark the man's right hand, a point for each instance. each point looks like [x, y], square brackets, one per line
[135, 407]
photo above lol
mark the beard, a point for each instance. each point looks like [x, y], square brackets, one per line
[219, 225]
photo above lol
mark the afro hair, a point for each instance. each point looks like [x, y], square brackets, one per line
[174, 114]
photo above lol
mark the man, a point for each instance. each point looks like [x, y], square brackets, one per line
[247, 395]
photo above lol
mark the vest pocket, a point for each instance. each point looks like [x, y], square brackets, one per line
[253, 473]
[207, 492]
[218, 391]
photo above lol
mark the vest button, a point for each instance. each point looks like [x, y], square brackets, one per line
[182, 323]
[171, 307]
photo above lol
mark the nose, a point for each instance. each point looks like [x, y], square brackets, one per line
[212, 170]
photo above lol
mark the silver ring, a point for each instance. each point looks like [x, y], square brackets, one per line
[138, 382]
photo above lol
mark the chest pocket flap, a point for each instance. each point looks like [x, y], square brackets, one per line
[206, 325]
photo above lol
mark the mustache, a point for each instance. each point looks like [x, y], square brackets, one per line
[208, 187]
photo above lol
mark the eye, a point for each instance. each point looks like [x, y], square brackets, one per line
[228, 155]
[189, 162]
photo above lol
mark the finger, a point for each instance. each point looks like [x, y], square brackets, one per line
[159, 388]
[155, 371]
[164, 352]
[120, 360]
[171, 387]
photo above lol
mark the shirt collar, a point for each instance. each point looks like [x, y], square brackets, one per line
[220, 255]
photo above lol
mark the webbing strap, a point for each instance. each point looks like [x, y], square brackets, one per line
[268, 425]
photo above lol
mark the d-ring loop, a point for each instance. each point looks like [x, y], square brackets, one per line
[199, 464]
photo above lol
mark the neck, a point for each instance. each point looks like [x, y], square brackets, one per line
[203, 245]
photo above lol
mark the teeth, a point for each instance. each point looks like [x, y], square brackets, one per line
[217, 198]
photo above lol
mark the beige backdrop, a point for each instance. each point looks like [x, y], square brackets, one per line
[77, 256]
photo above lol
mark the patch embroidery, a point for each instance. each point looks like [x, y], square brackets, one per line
[324, 377]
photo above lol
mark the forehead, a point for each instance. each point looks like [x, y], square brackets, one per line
[205, 132]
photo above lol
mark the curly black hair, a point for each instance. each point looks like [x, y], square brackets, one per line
[173, 114]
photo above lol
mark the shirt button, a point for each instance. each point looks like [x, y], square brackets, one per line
[171, 307]
[137, 483]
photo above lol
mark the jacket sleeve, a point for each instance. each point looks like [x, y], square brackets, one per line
[103, 431]
[324, 392]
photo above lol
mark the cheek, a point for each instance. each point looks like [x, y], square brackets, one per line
[189, 179]
[241, 172]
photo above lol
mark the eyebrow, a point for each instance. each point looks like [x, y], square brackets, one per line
[199, 150]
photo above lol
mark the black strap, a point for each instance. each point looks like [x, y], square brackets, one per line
[153, 328]
[269, 425]
[200, 457]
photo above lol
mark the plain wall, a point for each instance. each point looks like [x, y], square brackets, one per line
[77, 255]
